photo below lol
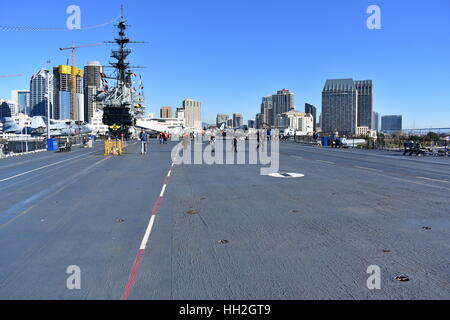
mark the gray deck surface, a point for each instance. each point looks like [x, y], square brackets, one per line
[305, 238]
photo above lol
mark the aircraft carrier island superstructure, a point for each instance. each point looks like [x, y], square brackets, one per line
[118, 101]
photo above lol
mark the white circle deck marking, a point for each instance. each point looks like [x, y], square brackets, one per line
[286, 175]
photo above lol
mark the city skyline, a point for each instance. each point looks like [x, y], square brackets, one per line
[401, 88]
[364, 97]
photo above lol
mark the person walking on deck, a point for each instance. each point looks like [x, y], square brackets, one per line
[143, 136]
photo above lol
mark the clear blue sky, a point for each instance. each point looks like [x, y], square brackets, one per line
[228, 54]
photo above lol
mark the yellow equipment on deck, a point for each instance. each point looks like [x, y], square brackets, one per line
[113, 147]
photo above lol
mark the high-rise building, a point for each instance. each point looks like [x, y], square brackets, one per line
[92, 85]
[22, 99]
[365, 103]
[221, 119]
[39, 93]
[347, 105]
[5, 109]
[165, 112]
[238, 120]
[267, 111]
[193, 113]
[312, 110]
[259, 123]
[62, 78]
[376, 121]
[230, 123]
[8, 108]
[251, 123]
[340, 107]
[179, 114]
[282, 102]
[391, 124]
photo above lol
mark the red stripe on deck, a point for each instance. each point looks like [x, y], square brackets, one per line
[130, 284]
[132, 278]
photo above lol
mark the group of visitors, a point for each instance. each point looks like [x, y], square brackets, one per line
[413, 147]
[163, 137]
[144, 138]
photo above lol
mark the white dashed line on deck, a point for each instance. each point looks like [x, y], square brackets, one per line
[163, 190]
[323, 161]
[430, 179]
[46, 166]
[147, 233]
[370, 169]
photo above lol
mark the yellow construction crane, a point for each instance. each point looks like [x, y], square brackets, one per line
[74, 79]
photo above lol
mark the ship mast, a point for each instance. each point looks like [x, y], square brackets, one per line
[122, 52]
[118, 101]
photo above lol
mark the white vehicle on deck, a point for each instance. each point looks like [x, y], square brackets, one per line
[173, 126]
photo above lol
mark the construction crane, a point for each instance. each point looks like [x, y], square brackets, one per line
[74, 79]
[11, 75]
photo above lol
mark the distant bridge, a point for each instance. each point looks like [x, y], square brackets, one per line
[426, 130]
